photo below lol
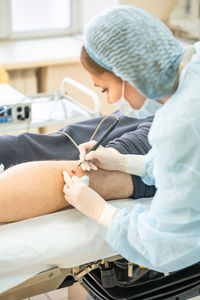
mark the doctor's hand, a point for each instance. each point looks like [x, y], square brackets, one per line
[104, 158]
[87, 201]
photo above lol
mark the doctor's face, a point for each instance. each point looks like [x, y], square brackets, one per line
[111, 85]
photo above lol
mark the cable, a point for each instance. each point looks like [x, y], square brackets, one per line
[116, 117]
[93, 135]
[71, 139]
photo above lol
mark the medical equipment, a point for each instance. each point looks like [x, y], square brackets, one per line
[102, 139]
[56, 250]
[12, 109]
[44, 109]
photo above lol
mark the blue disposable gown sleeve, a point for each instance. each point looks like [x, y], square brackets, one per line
[166, 236]
[148, 178]
[136, 142]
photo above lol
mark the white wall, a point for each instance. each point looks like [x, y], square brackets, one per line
[4, 15]
[159, 8]
[90, 8]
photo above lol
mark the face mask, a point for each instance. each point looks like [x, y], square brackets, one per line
[148, 108]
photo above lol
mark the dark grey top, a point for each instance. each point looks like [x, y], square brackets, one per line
[129, 137]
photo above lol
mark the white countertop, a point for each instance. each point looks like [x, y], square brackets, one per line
[39, 52]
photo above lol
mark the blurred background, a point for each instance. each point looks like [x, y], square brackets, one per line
[40, 40]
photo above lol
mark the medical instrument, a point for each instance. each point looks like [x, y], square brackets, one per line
[44, 109]
[12, 107]
[102, 139]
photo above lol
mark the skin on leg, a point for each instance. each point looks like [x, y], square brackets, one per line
[36, 188]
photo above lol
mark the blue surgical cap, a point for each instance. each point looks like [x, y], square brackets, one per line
[137, 47]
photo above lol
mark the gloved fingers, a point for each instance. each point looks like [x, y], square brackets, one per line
[91, 155]
[82, 155]
[87, 146]
[84, 148]
[67, 179]
[92, 166]
[85, 179]
[95, 154]
[88, 166]
[1, 168]
[66, 191]
[75, 180]
[85, 166]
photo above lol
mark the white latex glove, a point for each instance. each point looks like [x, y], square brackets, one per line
[111, 159]
[87, 201]
[1, 168]
[133, 164]
[104, 158]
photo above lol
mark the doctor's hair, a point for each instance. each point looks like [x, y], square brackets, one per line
[90, 65]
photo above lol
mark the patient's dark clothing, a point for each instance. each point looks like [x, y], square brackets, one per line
[129, 137]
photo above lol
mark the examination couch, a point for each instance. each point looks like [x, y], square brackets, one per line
[54, 251]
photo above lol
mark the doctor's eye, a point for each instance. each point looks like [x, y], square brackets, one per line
[104, 90]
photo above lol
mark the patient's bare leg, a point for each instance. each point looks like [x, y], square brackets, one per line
[36, 188]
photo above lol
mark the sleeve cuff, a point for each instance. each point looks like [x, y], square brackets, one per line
[108, 215]
[133, 164]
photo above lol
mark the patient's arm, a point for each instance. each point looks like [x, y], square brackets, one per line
[35, 188]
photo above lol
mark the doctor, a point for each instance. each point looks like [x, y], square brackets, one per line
[138, 63]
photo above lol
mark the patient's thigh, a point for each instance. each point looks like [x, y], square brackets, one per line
[36, 188]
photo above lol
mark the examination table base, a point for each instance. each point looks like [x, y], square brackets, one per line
[180, 285]
[143, 285]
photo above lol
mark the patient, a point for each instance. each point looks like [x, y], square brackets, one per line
[32, 183]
